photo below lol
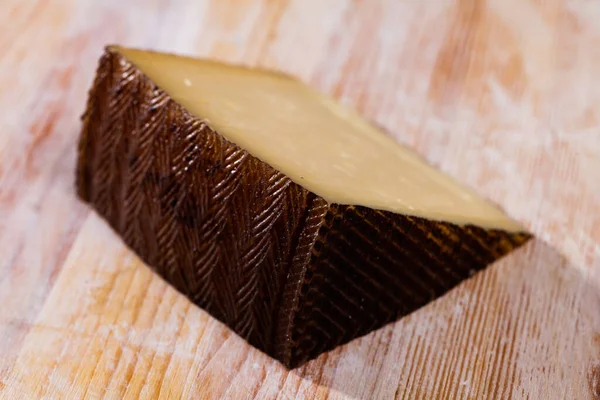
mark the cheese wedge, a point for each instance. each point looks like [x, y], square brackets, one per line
[282, 213]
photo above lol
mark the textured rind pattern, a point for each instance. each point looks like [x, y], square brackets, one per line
[289, 272]
[218, 224]
[371, 267]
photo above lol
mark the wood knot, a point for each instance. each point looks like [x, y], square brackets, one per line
[594, 379]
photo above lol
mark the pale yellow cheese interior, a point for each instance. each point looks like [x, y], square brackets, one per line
[319, 144]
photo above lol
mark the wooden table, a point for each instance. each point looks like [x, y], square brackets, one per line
[504, 95]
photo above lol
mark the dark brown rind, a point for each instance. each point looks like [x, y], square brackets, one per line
[286, 270]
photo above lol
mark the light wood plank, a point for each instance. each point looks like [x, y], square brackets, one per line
[504, 95]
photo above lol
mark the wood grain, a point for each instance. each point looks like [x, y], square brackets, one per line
[504, 95]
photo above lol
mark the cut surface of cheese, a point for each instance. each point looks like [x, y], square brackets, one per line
[319, 144]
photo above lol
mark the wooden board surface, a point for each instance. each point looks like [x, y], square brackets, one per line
[504, 95]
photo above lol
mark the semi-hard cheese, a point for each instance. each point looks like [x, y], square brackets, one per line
[279, 211]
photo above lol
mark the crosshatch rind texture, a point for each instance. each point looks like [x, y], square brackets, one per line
[286, 270]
